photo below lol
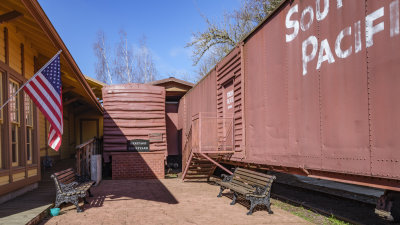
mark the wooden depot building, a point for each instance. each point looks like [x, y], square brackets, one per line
[27, 41]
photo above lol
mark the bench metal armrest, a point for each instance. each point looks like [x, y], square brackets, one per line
[68, 187]
[226, 178]
[259, 190]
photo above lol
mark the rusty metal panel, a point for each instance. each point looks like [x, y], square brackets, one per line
[384, 87]
[343, 92]
[304, 124]
[324, 110]
[201, 98]
[266, 96]
[133, 111]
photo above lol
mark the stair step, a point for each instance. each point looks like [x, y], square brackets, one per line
[202, 162]
[200, 170]
[197, 177]
[198, 173]
[201, 165]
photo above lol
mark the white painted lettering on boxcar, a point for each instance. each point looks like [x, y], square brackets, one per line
[374, 24]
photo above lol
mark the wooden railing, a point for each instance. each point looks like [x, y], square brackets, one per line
[83, 154]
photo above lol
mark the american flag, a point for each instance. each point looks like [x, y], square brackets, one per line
[45, 90]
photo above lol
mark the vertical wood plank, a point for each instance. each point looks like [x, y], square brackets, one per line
[22, 60]
[6, 46]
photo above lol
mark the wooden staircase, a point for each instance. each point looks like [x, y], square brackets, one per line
[199, 167]
[202, 155]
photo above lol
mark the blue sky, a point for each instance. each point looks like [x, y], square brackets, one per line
[168, 26]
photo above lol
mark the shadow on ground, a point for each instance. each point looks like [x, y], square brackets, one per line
[125, 190]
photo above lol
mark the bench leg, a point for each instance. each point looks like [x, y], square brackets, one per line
[85, 201]
[59, 201]
[268, 204]
[259, 201]
[220, 192]
[252, 205]
[75, 201]
[234, 198]
[90, 193]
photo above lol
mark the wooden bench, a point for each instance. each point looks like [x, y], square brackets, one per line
[70, 187]
[254, 186]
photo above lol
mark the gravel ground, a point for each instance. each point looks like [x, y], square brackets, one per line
[361, 213]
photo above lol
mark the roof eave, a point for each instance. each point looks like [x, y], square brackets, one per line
[37, 12]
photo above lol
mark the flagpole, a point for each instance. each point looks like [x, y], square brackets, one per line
[37, 73]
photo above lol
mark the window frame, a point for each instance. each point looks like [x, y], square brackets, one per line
[29, 127]
[16, 124]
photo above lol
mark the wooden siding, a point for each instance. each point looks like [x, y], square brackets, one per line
[25, 174]
[26, 44]
[133, 111]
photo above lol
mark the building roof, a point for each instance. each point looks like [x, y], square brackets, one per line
[36, 26]
[96, 86]
[171, 79]
[174, 88]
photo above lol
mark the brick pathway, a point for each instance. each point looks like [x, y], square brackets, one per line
[31, 206]
[167, 201]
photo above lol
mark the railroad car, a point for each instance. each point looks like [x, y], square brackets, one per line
[313, 90]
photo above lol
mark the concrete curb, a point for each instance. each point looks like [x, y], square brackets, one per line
[41, 216]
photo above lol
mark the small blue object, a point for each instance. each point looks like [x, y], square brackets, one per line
[54, 211]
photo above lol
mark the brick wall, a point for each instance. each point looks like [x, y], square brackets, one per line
[135, 165]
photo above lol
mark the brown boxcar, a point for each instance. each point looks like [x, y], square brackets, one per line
[134, 111]
[315, 92]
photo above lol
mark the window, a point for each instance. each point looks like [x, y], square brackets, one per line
[14, 120]
[29, 127]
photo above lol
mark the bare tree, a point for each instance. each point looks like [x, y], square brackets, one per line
[102, 66]
[124, 60]
[209, 61]
[221, 37]
[130, 65]
[146, 69]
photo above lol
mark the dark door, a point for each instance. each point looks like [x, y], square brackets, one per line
[171, 111]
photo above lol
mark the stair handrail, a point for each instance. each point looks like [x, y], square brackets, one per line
[229, 132]
[187, 144]
[189, 152]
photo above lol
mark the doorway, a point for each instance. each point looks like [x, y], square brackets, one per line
[89, 128]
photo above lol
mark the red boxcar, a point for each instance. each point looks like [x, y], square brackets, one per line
[313, 91]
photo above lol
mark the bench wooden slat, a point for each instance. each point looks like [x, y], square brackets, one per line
[63, 172]
[252, 180]
[253, 172]
[253, 175]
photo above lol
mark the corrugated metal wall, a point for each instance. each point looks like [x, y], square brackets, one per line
[230, 70]
[340, 114]
[133, 111]
[202, 98]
